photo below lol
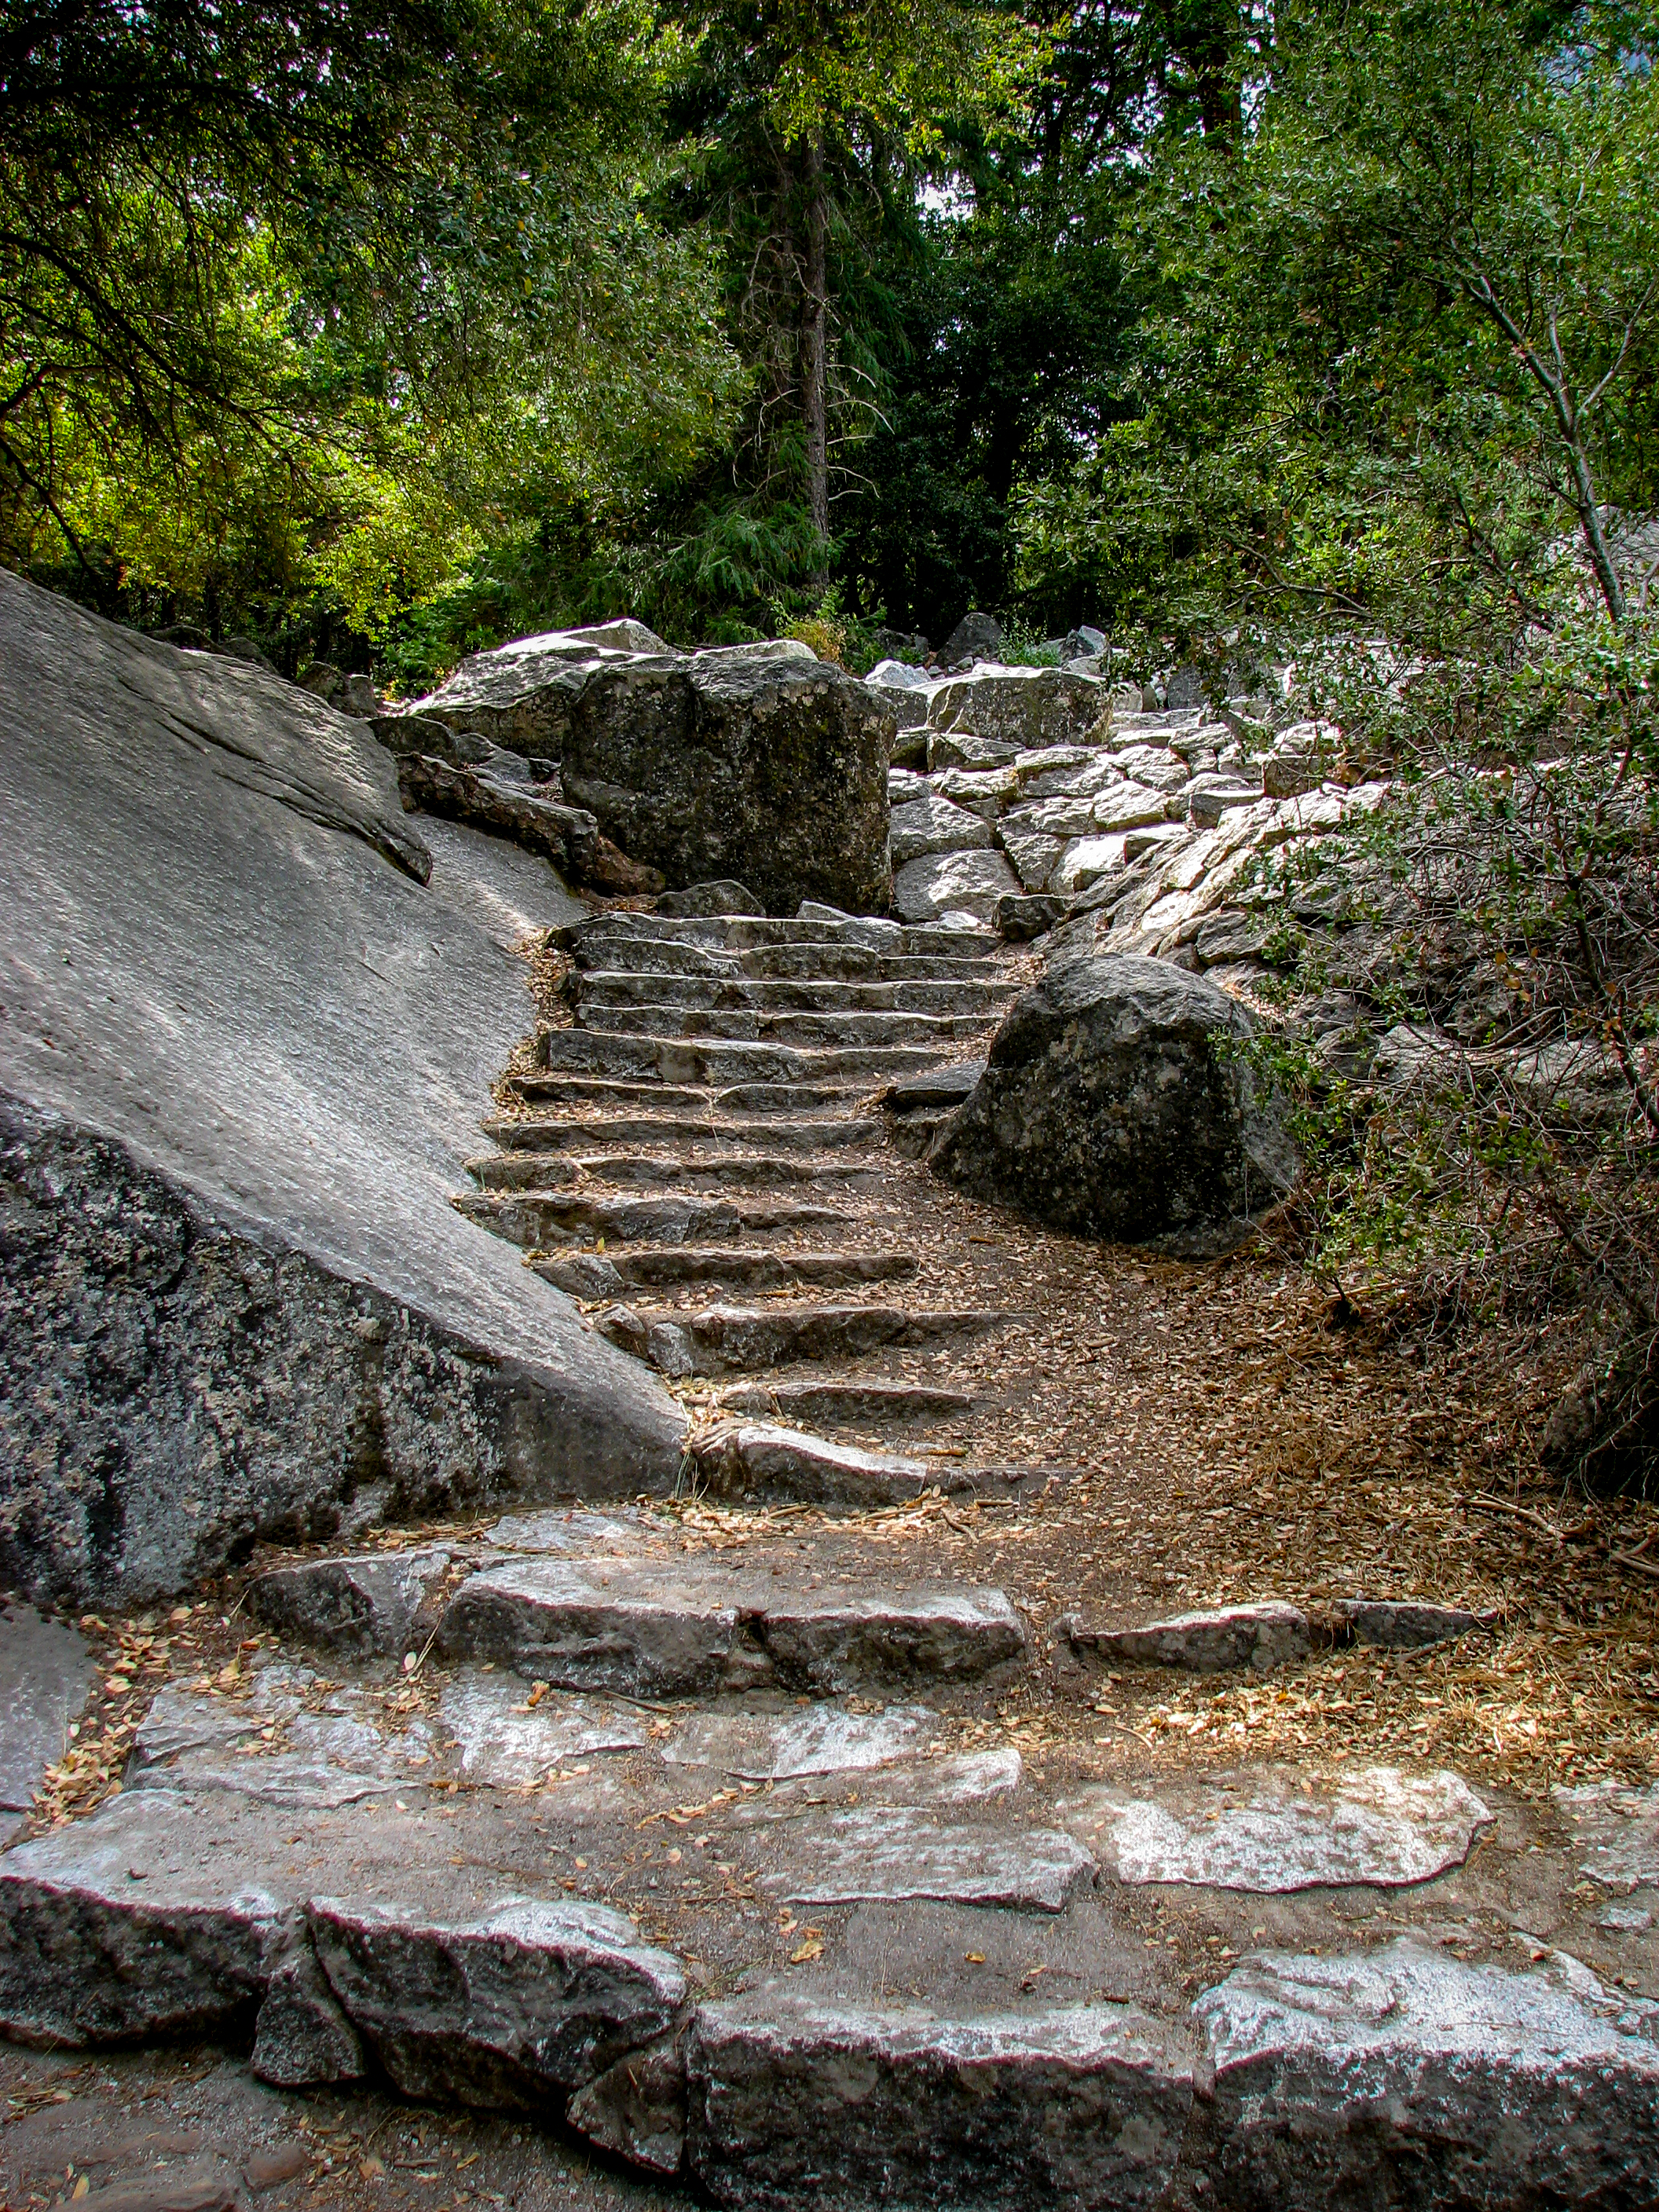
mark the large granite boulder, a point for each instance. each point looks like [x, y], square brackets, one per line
[1026, 706]
[250, 1023]
[757, 763]
[1111, 1105]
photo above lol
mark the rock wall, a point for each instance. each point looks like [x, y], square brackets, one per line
[245, 1057]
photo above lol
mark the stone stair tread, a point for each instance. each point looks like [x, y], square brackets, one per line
[748, 932]
[795, 1026]
[649, 1628]
[437, 1937]
[719, 1338]
[770, 1099]
[599, 1052]
[757, 1460]
[849, 963]
[862, 1404]
[600, 986]
[530, 1172]
[542, 1133]
[598, 1274]
[540, 1220]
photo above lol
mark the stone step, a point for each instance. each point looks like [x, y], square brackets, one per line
[540, 1134]
[673, 1059]
[595, 1094]
[698, 1628]
[438, 1942]
[729, 1339]
[607, 987]
[847, 963]
[537, 1219]
[750, 932]
[864, 1406]
[793, 1949]
[786, 1026]
[609, 1275]
[536, 1171]
[759, 1461]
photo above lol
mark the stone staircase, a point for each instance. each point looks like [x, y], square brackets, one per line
[701, 1824]
[774, 1234]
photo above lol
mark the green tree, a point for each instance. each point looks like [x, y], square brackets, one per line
[291, 294]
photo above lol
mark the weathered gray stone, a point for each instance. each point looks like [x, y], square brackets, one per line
[1034, 854]
[1020, 918]
[758, 762]
[122, 1927]
[1086, 861]
[1404, 2077]
[301, 2036]
[940, 1086]
[1616, 1829]
[656, 1631]
[966, 749]
[1258, 1636]
[1399, 1624]
[1374, 1825]
[897, 1853]
[45, 1673]
[499, 2010]
[566, 836]
[1027, 707]
[519, 694]
[952, 882]
[791, 2100]
[245, 1058]
[421, 733]
[977, 636]
[637, 2108]
[758, 1460]
[1126, 806]
[934, 825]
[365, 1604]
[725, 897]
[822, 1739]
[1109, 1107]
[984, 791]
[506, 1742]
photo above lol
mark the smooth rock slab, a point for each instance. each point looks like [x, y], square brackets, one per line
[1257, 1636]
[1406, 2078]
[1378, 1826]
[791, 2102]
[893, 1853]
[499, 2010]
[821, 1740]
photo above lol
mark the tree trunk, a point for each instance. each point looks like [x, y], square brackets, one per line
[815, 393]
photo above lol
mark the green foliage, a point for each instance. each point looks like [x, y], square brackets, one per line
[396, 286]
